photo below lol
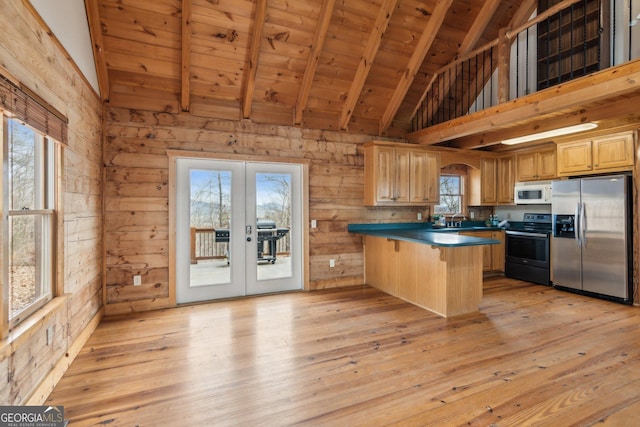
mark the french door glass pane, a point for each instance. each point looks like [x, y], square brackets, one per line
[210, 219]
[273, 226]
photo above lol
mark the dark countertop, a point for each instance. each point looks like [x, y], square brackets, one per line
[424, 233]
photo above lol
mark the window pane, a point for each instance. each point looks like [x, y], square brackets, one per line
[29, 260]
[450, 195]
[22, 162]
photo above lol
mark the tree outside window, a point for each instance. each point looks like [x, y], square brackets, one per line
[29, 193]
[450, 195]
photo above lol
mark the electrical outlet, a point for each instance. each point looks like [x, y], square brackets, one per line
[472, 214]
[332, 263]
[419, 216]
[314, 223]
[137, 280]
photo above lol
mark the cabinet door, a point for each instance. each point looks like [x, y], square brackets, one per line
[497, 252]
[574, 157]
[402, 179]
[425, 177]
[546, 164]
[488, 172]
[487, 253]
[385, 174]
[506, 179]
[613, 152]
[526, 166]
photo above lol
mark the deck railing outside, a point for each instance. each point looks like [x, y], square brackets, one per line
[567, 41]
[205, 247]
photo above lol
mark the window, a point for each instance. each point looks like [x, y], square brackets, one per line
[28, 193]
[451, 192]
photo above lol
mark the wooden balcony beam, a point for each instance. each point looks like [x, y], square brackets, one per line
[574, 95]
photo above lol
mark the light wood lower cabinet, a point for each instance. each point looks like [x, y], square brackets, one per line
[444, 280]
[492, 255]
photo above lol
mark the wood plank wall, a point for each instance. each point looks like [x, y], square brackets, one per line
[30, 55]
[136, 196]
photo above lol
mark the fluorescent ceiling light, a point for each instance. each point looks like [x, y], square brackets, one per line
[550, 133]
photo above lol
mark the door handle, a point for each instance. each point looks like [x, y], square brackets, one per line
[248, 239]
[576, 224]
[583, 226]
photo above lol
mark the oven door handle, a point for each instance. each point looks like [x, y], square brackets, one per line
[525, 234]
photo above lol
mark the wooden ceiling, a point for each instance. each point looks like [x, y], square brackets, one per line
[347, 65]
[353, 65]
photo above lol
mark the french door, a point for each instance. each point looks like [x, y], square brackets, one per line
[238, 228]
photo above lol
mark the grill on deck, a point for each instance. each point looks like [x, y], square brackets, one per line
[268, 236]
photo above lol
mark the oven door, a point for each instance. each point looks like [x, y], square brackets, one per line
[529, 248]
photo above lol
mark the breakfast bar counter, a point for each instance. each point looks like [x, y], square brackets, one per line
[439, 270]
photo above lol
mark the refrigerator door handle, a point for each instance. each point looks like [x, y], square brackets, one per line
[576, 226]
[583, 226]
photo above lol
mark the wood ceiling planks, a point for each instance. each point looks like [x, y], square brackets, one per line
[357, 65]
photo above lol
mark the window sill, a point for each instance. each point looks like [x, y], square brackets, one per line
[30, 326]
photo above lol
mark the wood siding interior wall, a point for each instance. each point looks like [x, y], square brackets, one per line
[136, 196]
[32, 57]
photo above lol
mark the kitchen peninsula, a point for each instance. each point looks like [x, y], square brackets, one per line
[436, 269]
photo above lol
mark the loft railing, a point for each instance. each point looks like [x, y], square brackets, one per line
[569, 40]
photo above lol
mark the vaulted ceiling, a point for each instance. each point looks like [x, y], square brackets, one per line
[355, 65]
[347, 65]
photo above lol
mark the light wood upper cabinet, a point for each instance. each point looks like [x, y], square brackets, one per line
[425, 176]
[574, 157]
[400, 175]
[536, 165]
[483, 183]
[611, 153]
[506, 179]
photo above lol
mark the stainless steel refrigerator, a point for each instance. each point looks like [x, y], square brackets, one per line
[592, 235]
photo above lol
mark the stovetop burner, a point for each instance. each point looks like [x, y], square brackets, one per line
[533, 222]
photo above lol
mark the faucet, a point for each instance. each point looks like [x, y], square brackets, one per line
[459, 223]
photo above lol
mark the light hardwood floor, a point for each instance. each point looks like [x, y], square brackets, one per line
[356, 356]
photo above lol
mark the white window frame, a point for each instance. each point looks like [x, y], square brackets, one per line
[463, 202]
[45, 209]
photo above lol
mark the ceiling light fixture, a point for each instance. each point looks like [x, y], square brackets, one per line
[550, 133]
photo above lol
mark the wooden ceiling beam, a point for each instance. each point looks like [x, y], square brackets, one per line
[607, 84]
[478, 27]
[185, 87]
[254, 55]
[417, 58]
[524, 12]
[468, 44]
[604, 115]
[369, 55]
[314, 57]
[95, 31]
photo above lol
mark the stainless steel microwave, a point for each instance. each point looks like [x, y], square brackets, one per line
[532, 193]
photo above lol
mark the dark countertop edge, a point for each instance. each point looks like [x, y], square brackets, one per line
[427, 237]
[478, 226]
